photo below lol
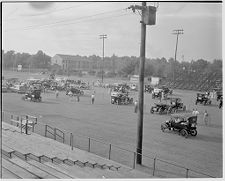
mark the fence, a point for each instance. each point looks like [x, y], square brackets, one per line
[153, 165]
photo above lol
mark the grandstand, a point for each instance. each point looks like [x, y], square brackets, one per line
[196, 81]
[35, 157]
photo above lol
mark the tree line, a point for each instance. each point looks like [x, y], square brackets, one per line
[12, 59]
[121, 66]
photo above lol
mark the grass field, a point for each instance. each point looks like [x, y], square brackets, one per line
[118, 125]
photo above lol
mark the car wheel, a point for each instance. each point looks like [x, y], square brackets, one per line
[193, 132]
[184, 133]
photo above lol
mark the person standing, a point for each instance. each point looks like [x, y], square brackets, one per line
[56, 93]
[92, 99]
[206, 117]
[135, 106]
[78, 98]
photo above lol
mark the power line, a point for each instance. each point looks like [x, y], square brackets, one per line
[58, 22]
[49, 12]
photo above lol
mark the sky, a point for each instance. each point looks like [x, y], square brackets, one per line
[74, 28]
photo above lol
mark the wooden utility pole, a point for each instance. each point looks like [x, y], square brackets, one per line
[103, 38]
[147, 18]
[176, 32]
[141, 89]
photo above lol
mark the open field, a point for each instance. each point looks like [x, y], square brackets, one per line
[118, 125]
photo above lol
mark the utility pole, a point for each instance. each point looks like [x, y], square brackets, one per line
[176, 32]
[147, 18]
[103, 38]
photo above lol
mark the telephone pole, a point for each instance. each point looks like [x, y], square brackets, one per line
[176, 32]
[148, 16]
[103, 38]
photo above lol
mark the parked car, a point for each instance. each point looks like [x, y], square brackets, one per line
[166, 90]
[148, 88]
[160, 108]
[121, 98]
[157, 93]
[33, 95]
[203, 99]
[21, 89]
[185, 124]
[176, 104]
[74, 92]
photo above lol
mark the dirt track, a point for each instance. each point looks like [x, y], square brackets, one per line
[118, 124]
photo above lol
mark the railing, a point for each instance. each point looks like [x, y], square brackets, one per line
[155, 165]
[54, 132]
[24, 122]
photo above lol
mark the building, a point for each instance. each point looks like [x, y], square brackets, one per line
[83, 63]
[71, 62]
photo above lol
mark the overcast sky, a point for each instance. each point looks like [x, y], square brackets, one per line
[74, 28]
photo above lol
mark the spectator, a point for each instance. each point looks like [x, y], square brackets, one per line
[56, 93]
[206, 117]
[135, 106]
[92, 99]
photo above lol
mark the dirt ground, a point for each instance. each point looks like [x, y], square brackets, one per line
[118, 124]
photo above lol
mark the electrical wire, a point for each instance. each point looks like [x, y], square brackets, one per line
[63, 21]
[54, 11]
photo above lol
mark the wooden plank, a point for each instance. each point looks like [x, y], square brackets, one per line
[21, 172]
[50, 170]
[40, 173]
[7, 174]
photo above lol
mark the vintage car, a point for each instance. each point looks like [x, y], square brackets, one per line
[166, 90]
[121, 98]
[176, 104]
[185, 124]
[74, 92]
[219, 95]
[33, 95]
[203, 99]
[21, 89]
[148, 88]
[157, 93]
[160, 108]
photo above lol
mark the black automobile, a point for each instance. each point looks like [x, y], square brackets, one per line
[185, 124]
[74, 92]
[160, 108]
[166, 90]
[121, 98]
[176, 104]
[219, 95]
[33, 95]
[157, 93]
[203, 99]
[148, 88]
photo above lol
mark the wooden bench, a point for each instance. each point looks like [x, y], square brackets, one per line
[7, 151]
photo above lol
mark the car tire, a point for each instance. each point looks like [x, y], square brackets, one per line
[193, 132]
[184, 133]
